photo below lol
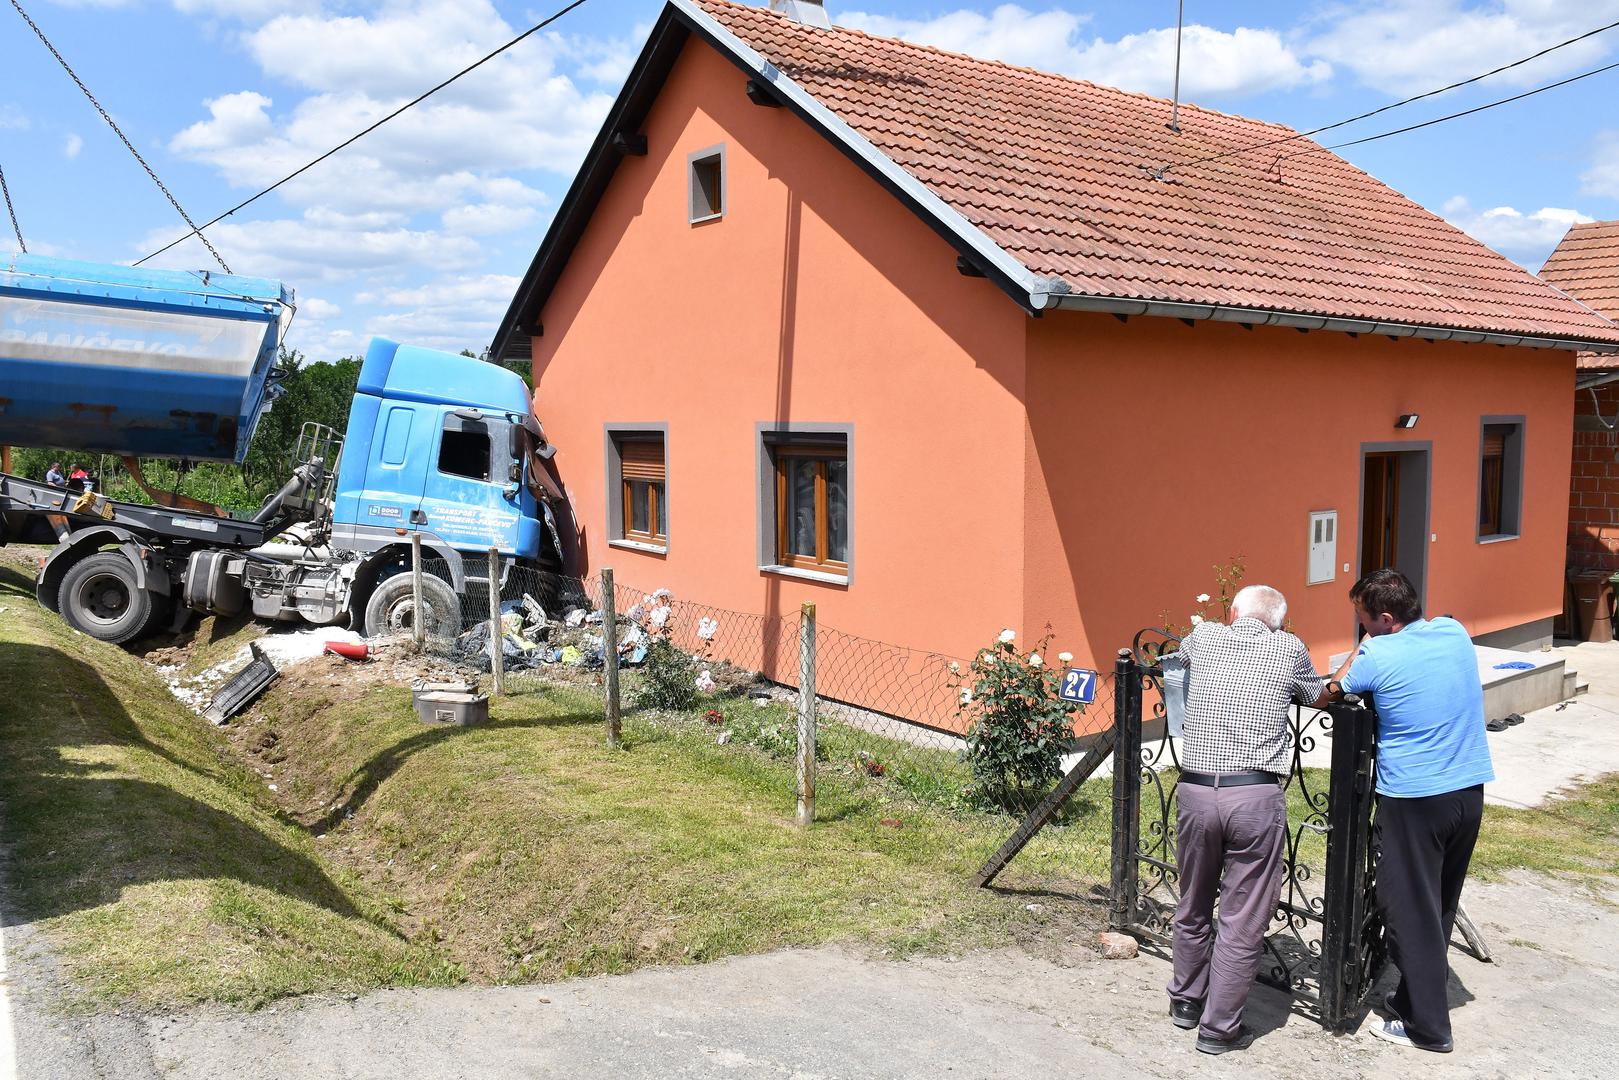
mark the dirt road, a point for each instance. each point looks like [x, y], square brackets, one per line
[1544, 1009]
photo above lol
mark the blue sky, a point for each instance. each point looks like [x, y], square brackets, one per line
[421, 230]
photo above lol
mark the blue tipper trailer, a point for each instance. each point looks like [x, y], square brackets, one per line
[144, 363]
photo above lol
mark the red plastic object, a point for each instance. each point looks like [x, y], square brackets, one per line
[353, 652]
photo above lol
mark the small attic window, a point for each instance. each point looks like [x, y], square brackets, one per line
[706, 180]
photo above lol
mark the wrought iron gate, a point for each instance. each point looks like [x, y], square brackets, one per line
[1325, 944]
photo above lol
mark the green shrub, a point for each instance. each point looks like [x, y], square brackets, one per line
[1018, 723]
[668, 681]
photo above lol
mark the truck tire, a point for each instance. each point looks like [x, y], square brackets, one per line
[100, 597]
[391, 609]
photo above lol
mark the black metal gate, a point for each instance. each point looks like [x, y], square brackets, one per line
[1325, 945]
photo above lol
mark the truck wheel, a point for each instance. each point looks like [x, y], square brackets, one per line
[99, 596]
[392, 610]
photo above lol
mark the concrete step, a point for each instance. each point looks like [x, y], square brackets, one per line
[1574, 684]
[1520, 690]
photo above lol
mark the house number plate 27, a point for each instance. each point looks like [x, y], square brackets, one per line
[1079, 684]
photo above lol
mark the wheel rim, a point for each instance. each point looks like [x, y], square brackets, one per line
[103, 598]
[400, 617]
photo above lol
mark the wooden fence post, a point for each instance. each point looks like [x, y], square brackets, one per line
[806, 714]
[497, 636]
[610, 653]
[418, 624]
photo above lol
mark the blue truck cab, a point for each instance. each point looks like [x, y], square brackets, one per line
[442, 444]
[111, 359]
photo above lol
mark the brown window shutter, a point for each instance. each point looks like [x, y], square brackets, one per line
[1495, 444]
[641, 461]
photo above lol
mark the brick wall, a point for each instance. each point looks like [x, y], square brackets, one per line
[1593, 499]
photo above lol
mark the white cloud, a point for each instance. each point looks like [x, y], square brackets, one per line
[1228, 64]
[318, 247]
[519, 112]
[1602, 178]
[12, 118]
[71, 145]
[243, 10]
[314, 308]
[1403, 47]
[452, 312]
[1526, 238]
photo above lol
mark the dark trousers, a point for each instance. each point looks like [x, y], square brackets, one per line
[1426, 844]
[1229, 843]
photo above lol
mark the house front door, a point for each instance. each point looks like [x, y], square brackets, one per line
[1395, 479]
[1380, 513]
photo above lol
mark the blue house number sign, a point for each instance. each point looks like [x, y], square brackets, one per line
[1079, 684]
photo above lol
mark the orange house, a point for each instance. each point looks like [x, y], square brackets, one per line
[947, 346]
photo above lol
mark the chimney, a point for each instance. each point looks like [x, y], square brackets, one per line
[808, 12]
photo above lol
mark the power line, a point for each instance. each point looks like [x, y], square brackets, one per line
[1452, 116]
[1164, 170]
[32, 25]
[12, 211]
[197, 231]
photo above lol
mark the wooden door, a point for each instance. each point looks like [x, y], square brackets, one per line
[1380, 513]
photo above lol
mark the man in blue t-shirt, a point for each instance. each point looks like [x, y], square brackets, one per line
[1432, 764]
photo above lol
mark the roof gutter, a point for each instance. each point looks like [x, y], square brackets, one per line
[1061, 299]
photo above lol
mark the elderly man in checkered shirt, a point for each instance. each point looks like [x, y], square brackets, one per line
[1231, 824]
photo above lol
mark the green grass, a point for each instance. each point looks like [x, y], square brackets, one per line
[1577, 836]
[152, 852]
[537, 853]
[157, 863]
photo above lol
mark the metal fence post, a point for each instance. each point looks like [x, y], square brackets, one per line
[1344, 921]
[806, 714]
[418, 624]
[497, 635]
[1126, 790]
[610, 653]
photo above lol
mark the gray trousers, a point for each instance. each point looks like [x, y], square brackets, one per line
[1229, 843]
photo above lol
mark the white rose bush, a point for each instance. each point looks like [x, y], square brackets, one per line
[1018, 725]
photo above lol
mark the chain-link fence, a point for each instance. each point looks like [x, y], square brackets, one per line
[890, 727]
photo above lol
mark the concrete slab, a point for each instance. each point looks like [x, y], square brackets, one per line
[1564, 744]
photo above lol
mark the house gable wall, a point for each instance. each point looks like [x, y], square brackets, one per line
[815, 299]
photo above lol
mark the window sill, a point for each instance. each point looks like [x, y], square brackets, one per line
[807, 575]
[706, 218]
[1496, 538]
[639, 545]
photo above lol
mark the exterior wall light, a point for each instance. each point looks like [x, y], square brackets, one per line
[1406, 421]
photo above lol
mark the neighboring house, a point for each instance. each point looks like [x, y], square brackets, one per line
[1586, 267]
[934, 342]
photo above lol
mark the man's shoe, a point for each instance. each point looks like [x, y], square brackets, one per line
[1393, 1031]
[1242, 1040]
[1185, 1014]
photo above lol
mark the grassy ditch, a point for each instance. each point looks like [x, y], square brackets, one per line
[153, 859]
[329, 841]
[527, 850]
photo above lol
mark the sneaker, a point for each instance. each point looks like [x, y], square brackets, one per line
[1185, 1014]
[1242, 1040]
[1393, 1031]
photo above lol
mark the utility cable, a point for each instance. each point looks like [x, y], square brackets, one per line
[1451, 116]
[197, 231]
[13, 212]
[1163, 170]
[32, 25]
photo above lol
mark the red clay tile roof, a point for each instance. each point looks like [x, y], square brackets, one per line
[1056, 172]
[1586, 266]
